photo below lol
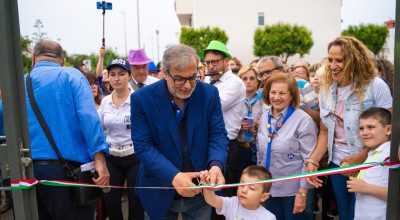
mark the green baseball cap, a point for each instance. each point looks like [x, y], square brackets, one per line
[218, 46]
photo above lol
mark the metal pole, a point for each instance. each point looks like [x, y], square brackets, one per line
[14, 106]
[138, 24]
[104, 15]
[126, 50]
[393, 203]
[158, 47]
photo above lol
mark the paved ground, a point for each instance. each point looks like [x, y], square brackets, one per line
[9, 214]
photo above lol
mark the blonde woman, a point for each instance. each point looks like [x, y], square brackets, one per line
[349, 87]
[253, 108]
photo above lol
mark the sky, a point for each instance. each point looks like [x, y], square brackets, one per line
[77, 24]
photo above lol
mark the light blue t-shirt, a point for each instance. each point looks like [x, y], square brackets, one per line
[2, 132]
[65, 100]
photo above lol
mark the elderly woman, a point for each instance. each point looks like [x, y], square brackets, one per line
[115, 116]
[350, 86]
[253, 108]
[285, 139]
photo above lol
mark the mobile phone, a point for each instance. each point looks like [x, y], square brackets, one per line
[106, 5]
[248, 121]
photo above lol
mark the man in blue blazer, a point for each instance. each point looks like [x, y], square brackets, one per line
[177, 131]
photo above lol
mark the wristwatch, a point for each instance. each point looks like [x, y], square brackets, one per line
[302, 107]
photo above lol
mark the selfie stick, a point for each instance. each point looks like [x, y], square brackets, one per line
[103, 6]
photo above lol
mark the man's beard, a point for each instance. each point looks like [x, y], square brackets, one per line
[175, 91]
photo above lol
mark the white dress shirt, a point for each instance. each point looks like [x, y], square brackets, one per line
[232, 93]
[367, 206]
[118, 124]
[149, 80]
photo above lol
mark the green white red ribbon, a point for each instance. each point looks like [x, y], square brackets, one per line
[25, 184]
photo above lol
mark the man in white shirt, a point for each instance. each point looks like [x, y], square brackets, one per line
[140, 69]
[232, 93]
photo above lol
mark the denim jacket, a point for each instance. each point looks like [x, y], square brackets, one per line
[352, 112]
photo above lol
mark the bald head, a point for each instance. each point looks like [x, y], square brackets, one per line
[47, 50]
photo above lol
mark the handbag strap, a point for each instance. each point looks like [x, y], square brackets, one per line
[44, 125]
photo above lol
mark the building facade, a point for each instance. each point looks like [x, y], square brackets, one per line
[388, 48]
[239, 19]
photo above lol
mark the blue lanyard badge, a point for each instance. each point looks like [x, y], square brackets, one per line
[249, 113]
[272, 133]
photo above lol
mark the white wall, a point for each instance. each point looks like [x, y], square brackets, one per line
[239, 19]
[390, 45]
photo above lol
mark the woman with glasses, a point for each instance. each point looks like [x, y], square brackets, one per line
[285, 139]
[349, 87]
[122, 163]
[94, 85]
[253, 108]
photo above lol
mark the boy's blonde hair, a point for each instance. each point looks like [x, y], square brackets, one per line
[261, 173]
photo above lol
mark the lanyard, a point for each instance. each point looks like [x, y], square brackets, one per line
[249, 112]
[272, 133]
[362, 172]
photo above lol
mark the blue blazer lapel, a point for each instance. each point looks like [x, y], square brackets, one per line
[165, 110]
[192, 114]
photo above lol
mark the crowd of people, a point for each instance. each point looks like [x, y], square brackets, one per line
[208, 119]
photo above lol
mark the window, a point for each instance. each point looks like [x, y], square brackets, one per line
[260, 19]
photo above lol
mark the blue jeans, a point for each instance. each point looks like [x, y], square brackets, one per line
[345, 200]
[282, 208]
[191, 208]
[309, 211]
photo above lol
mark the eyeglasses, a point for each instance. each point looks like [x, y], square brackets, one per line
[267, 72]
[298, 72]
[251, 78]
[213, 62]
[179, 81]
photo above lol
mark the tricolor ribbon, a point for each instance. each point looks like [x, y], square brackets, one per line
[25, 184]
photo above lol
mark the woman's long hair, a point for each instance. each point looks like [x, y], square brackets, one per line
[358, 65]
[93, 79]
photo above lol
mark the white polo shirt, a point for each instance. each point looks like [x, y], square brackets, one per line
[232, 93]
[118, 124]
[367, 206]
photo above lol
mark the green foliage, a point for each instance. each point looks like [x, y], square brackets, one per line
[26, 52]
[282, 39]
[373, 36]
[76, 59]
[200, 38]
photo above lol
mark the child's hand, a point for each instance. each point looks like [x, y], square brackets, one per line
[344, 164]
[204, 177]
[356, 185]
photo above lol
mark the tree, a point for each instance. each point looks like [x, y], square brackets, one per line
[76, 59]
[373, 36]
[282, 40]
[200, 38]
[26, 53]
[39, 35]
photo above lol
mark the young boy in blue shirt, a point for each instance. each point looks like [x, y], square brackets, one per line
[371, 185]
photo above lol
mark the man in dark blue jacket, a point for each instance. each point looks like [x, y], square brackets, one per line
[177, 131]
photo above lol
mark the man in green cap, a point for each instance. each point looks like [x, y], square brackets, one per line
[232, 93]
